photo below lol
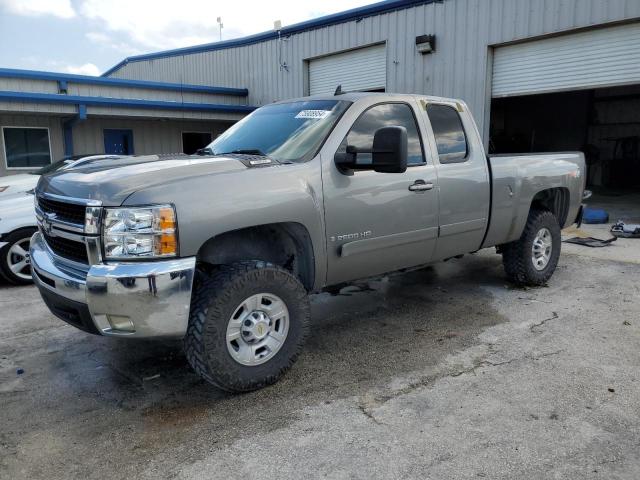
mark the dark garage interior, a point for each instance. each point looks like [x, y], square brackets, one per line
[602, 123]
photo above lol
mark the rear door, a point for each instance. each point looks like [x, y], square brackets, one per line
[463, 180]
[378, 222]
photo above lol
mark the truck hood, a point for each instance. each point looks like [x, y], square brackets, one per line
[112, 181]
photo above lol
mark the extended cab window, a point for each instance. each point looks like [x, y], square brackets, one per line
[450, 137]
[385, 115]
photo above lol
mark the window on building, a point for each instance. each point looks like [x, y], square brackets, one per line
[385, 115]
[26, 147]
[194, 141]
[450, 137]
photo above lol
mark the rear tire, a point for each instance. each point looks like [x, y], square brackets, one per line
[14, 257]
[266, 311]
[533, 258]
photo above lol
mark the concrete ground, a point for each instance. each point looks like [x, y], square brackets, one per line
[444, 373]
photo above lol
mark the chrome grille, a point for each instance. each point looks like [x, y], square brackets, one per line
[66, 212]
[62, 223]
[69, 249]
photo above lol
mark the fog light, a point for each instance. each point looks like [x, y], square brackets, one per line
[121, 323]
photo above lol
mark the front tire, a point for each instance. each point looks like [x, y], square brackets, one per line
[533, 258]
[15, 265]
[247, 324]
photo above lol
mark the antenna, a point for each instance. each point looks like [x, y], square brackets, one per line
[219, 20]
[338, 90]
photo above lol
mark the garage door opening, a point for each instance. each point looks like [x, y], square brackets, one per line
[603, 123]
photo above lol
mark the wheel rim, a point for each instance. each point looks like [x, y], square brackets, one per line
[541, 249]
[257, 329]
[18, 259]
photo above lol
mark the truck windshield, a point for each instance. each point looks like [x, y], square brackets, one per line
[290, 132]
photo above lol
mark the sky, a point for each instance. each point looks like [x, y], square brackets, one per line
[90, 36]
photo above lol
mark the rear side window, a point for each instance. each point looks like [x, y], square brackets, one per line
[385, 115]
[449, 133]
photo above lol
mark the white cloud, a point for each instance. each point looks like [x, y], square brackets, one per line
[162, 24]
[85, 69]
[112, 42]
[57, 8]
[98, 37]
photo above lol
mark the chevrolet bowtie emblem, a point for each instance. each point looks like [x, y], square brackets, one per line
[46, 224]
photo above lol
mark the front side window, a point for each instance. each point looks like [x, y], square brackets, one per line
[384, 115]
[449, 133]
[285, 131]
[26, 147]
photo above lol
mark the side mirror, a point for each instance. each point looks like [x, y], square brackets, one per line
[390, 146]
[388, 155]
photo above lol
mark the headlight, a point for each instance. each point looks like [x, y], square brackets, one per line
[140, 232]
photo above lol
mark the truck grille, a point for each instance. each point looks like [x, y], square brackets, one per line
[66, 248]
[66, 212]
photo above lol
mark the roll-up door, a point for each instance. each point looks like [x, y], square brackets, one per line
[355, 70]
[590, 59]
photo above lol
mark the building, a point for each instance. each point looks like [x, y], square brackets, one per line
[46, 116]
[537, 74]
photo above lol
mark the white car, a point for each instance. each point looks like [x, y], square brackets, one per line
[18, 184]
[18, 219]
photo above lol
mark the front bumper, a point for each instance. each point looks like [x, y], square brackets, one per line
[135, 299]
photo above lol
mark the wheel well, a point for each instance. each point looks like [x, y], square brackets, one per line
[556, 200]
[285, 244]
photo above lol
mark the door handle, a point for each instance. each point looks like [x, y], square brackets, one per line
[420, 186]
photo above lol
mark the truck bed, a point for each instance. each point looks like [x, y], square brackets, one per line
[519, 179]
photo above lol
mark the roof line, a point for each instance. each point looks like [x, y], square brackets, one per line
[340, 17]
[56, 98]
[117, 82]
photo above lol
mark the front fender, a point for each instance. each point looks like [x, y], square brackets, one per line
[212, 205]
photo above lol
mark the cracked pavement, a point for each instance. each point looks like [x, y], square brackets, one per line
[447, 372]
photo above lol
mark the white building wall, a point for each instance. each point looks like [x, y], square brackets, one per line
[464, 29]
[149, 136]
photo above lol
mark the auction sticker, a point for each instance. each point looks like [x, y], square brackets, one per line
[313, 114]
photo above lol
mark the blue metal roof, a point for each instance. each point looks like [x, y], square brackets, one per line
[117, 82]
[56, 98]
[341, 17]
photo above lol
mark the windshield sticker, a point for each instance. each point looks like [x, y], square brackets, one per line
[313, 114]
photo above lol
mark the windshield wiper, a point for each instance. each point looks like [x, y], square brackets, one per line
[247, 151]
[204, 151]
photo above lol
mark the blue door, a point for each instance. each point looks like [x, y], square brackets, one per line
[118, 142]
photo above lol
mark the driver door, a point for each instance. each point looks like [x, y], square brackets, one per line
[379, 222]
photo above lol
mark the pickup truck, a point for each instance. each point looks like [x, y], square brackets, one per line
[301, 196]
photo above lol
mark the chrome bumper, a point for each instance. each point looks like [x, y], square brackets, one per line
[136, 299]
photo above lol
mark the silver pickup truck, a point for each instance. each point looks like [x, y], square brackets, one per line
[301, 196]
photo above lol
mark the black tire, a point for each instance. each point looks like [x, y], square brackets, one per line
[517, 256]
[215, 298]
[18, 236]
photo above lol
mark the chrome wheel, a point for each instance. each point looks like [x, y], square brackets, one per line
[18, 259]
[541, 249]
[257, 329]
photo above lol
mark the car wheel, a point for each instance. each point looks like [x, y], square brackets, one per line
[533, 258]
[247, 324]
[15, 265]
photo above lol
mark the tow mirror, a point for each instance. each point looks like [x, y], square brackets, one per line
[388, 155]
